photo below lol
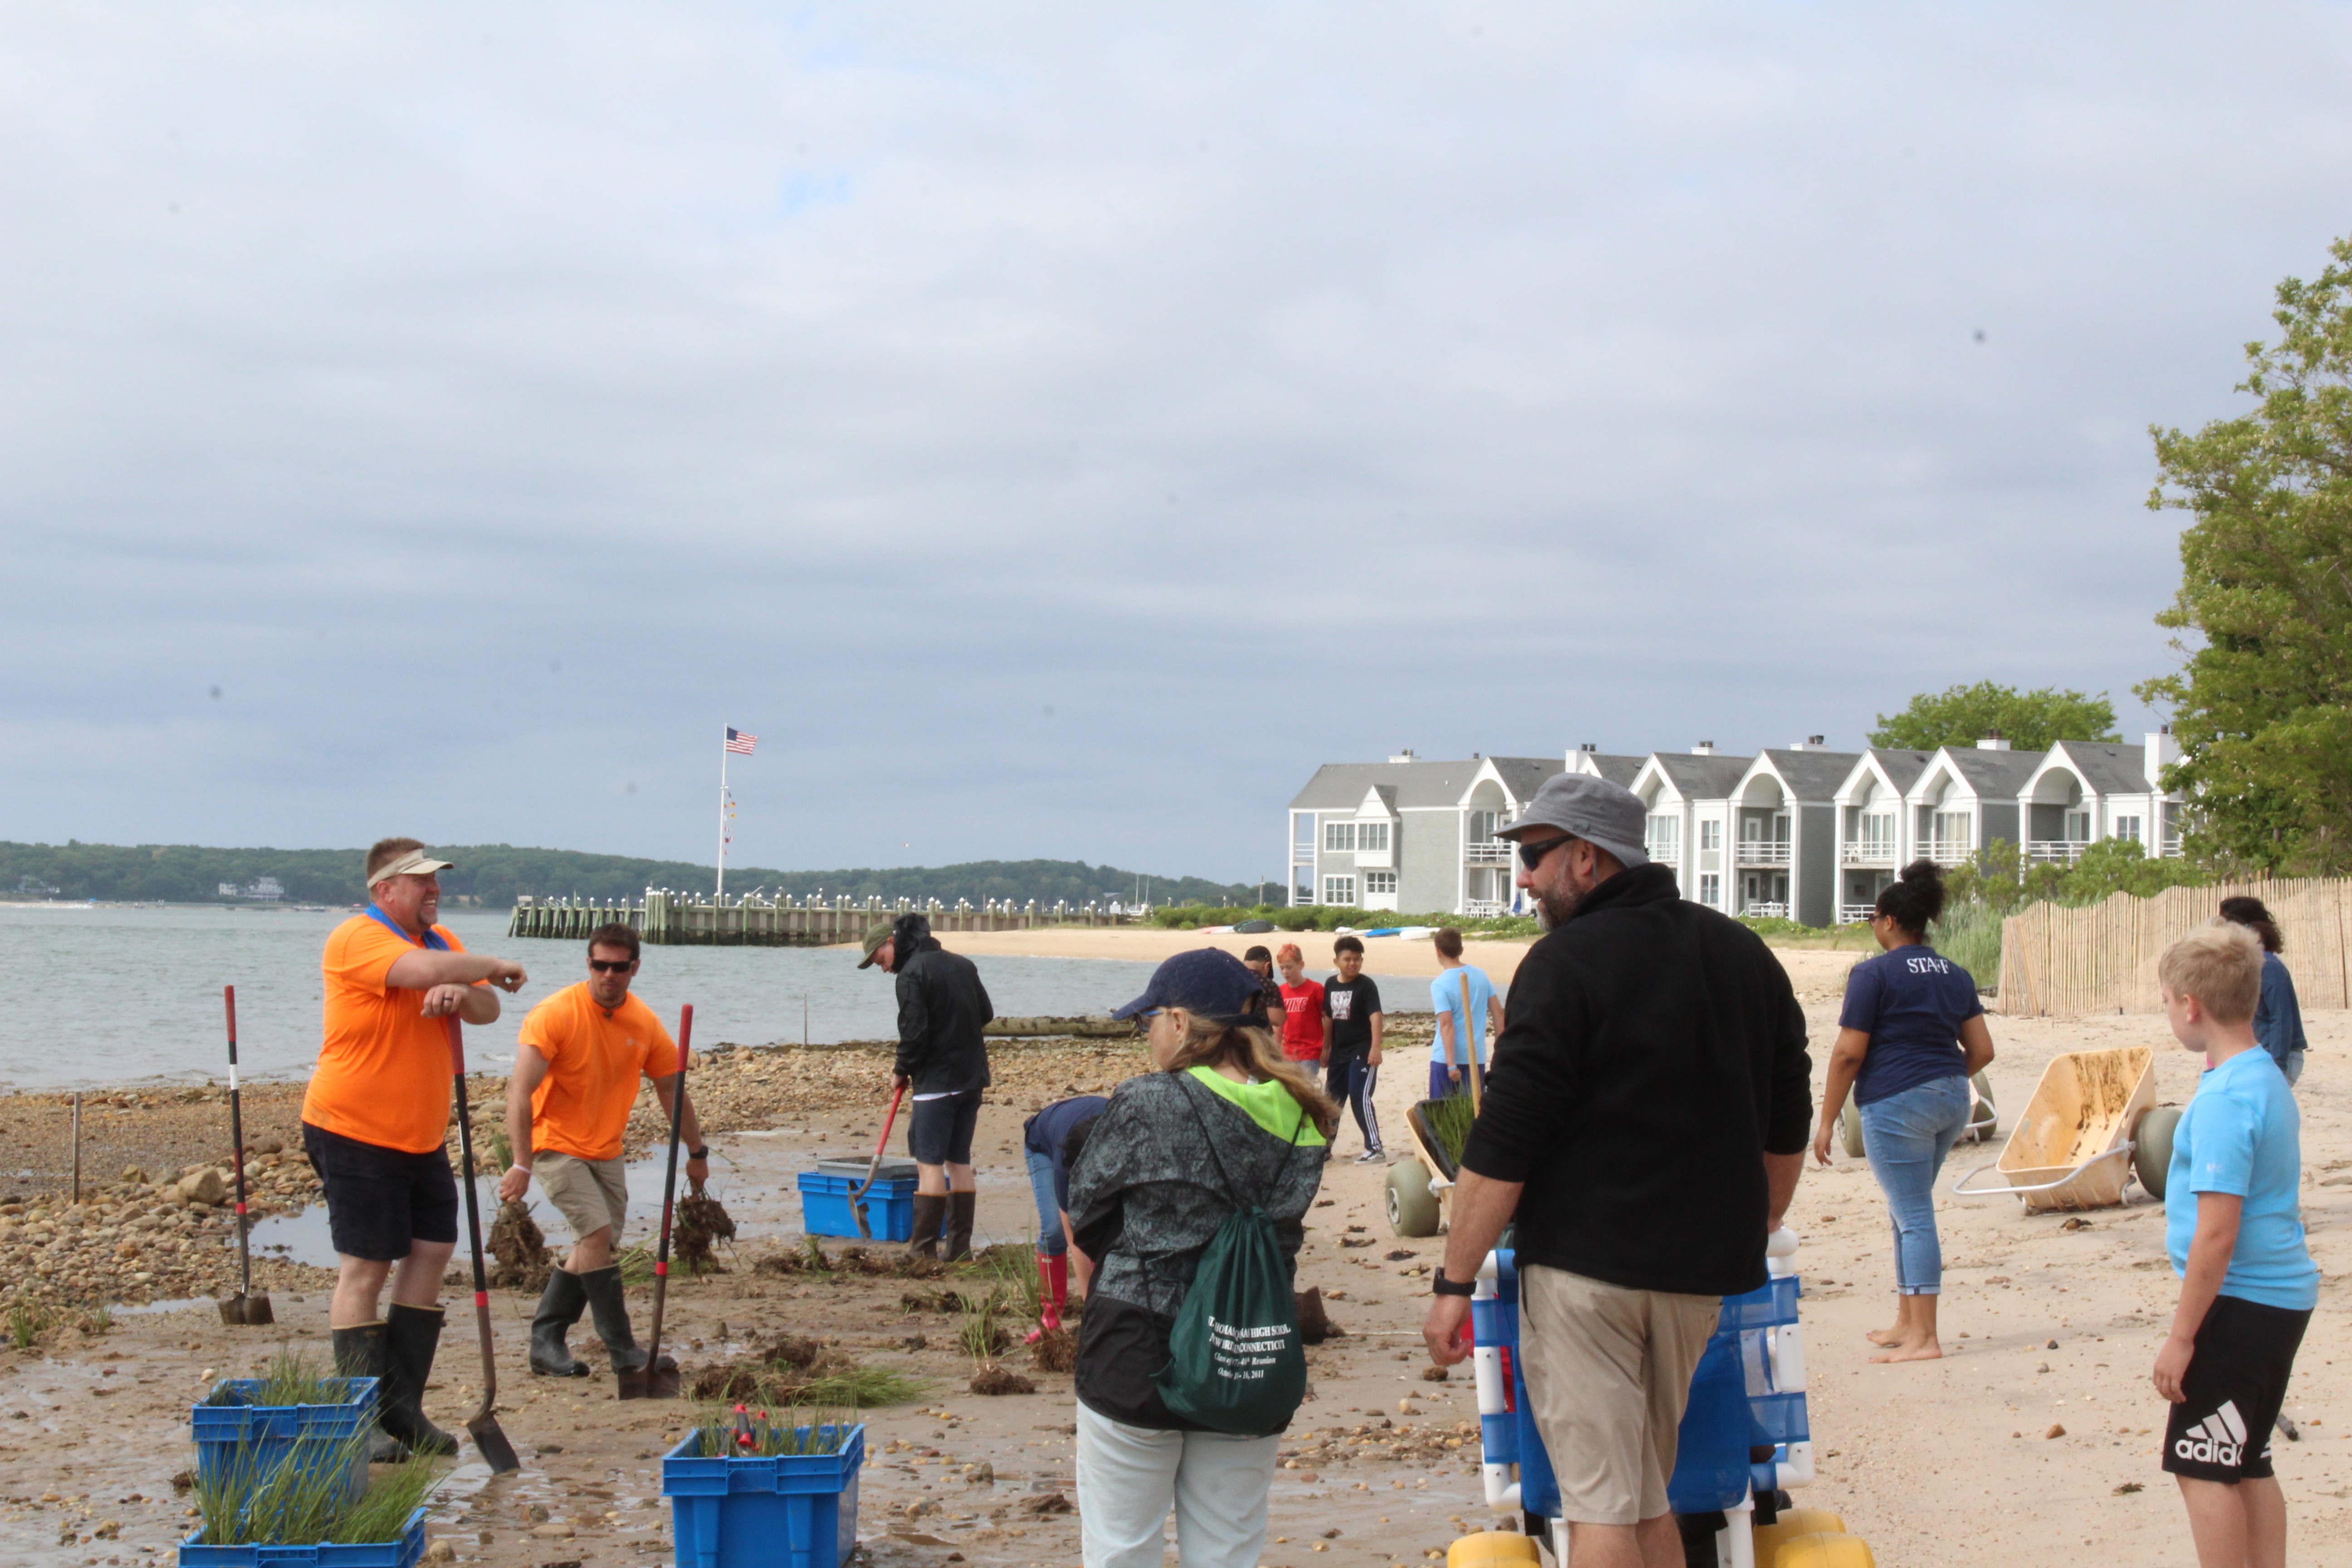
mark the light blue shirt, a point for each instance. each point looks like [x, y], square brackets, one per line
[1446, 996]
[2241, 1135]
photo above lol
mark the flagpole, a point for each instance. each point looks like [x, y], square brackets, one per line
[722, 813]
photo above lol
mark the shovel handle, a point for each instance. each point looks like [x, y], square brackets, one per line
[874, 1166]
[473, 1218]
[669, 1192]
[236, 1140]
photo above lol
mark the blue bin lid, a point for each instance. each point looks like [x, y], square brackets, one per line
[855, 1169]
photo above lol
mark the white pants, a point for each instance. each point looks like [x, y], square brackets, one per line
[1129, 1476]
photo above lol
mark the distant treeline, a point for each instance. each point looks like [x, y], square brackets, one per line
[493, 874]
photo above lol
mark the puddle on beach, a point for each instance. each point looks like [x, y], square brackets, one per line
[753, 1173]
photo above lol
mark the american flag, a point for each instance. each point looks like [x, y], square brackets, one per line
[738, 742]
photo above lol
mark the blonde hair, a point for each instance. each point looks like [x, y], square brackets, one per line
[2221, 964]
[1252, 1048]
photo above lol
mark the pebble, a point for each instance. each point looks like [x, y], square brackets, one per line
[558, 1532]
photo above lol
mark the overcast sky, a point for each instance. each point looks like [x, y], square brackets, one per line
[1054, 431]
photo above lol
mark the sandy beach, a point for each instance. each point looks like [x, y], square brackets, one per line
[2013, 1449]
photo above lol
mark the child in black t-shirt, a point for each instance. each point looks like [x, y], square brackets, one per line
[1352, 1041]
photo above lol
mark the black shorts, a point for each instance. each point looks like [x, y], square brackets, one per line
[380, 1200]
[939, 1132]
[2236, 1385]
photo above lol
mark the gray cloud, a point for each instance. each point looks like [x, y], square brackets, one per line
[493, 406]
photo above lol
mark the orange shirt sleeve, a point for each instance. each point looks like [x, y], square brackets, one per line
[661, 1054]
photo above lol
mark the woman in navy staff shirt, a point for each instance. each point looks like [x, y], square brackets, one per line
[1911, 1034]
[2278, 1017]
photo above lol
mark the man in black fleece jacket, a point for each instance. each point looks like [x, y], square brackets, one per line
[943, 1063]
[1645, 1123]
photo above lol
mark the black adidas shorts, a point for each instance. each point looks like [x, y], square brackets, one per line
[380, 1201]
[2236, 1385]
[939, 1129]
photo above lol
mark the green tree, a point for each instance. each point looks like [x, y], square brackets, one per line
[2120, 866]
[2030, 721]
[2262, 702]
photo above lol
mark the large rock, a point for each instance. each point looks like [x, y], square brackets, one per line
[206, 1187]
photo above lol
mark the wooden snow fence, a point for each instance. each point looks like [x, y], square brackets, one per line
[2101, 958]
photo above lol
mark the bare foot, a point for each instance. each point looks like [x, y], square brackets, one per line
[1884, 1336]
[1922, 1350]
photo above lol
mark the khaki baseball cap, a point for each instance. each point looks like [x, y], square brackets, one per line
[875, 937]
[412, 863]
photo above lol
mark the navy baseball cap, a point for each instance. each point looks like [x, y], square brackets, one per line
[1210, 981]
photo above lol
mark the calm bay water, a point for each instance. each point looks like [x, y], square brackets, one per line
[121, 996]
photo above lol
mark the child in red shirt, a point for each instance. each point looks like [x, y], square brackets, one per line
[1302, 1011]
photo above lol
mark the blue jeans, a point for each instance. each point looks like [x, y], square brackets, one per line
[1907, 1136]
[2292, 1066]
[1050, 1240]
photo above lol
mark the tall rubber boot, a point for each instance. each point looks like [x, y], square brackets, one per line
[923, 1241]
[1057, 1286]
[559, 1306]
[959, 1206]
[411, 1335]
[609, 1310]
[360, 1353]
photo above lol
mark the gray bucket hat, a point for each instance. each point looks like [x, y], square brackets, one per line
[1591, 808]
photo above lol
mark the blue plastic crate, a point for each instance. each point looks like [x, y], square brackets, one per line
[404, 1552]
[794, 1510]
[825, 1211]
[253, 1439]
[1767, 1307]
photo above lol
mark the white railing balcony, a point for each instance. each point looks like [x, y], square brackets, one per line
[1665, 854]
[1495, 854]
[2054, 851]
[1766, 908]
[1763, 852]
[1948, 852]
[2170, 849]
[1855, 914]
[1866, 852]
[1484, 908]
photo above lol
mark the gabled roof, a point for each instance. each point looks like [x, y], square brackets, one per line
[1700, 778]
[2107, 767]
[1523, 776]
[1898, 770]
[1809, 775]
[1989, 774]
[1616, 769]
[1341, 786]
[1384, 793]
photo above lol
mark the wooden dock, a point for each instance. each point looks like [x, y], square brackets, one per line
[668, 919]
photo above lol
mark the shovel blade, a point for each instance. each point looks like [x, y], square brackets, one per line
[864, 1227]
[247, 1311]
[491, 1441]
[649, 1383]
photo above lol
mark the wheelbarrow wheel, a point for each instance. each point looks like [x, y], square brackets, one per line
[2152, 1148]
[1412, 1207]
[1850, 1129]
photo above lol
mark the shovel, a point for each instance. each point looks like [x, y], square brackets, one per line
[655, 1380]
[489, 1439]
[857, 1197]
[244, 1308]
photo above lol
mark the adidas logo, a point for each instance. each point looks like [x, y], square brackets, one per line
[2219, 1439]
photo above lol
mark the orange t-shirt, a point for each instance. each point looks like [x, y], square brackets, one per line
[593, 1061]
[384, 1071]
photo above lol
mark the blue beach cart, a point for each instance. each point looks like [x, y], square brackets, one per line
[1744, 1441]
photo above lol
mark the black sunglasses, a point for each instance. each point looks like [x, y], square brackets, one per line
[1532, 855]
[612, 966]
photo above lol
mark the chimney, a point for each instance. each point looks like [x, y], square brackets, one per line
[1992, 742]
[1810, 744]
[1405, 756]
[1704, 749]
[1588, 746]
[2161, 748]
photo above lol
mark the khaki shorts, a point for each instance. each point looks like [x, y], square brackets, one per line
[589, 1193]
[1609, 1373]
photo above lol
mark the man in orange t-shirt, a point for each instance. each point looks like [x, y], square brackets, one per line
[374, 1123]
[575, 1080]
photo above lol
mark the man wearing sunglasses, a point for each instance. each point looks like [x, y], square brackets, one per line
[1645, 1120]
[577, 1064]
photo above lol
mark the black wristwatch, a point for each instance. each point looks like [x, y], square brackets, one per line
[1445, 1287]
[701, 1154]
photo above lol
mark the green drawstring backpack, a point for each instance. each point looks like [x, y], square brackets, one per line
[1235, 1363]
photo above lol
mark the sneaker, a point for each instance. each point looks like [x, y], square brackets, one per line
[1373, 1157]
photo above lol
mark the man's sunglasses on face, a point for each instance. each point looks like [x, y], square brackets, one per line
[612, 966]
[1532, 855]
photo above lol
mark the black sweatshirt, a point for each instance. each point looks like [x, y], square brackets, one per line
[942, 1006]
[1654, 1054]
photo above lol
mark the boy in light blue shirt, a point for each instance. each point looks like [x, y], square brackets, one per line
[2234, 1228]
[1460, 1046]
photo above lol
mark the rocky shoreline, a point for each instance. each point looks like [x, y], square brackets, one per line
[155, 1221]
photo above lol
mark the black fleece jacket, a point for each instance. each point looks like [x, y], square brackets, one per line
[1654, 1053]
[942, 1006]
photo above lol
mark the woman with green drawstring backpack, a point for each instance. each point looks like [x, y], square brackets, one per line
[1190, 1200]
